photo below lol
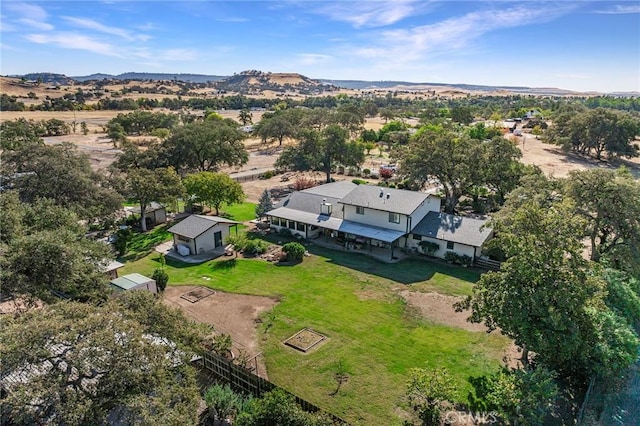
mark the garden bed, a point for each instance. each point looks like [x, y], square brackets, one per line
[305, 339]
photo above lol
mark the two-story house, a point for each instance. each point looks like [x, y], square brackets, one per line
[365, 216]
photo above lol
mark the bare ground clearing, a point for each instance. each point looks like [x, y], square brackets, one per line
[438, 309]
[232, 314]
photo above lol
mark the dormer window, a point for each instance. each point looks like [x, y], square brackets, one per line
[394, 217]
[359, 210]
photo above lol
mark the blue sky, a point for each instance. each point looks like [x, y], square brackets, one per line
[577, 45]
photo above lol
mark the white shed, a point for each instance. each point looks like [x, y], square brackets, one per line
[134, 282]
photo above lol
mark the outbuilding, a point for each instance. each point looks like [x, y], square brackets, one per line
[134, 282]
[198, 234]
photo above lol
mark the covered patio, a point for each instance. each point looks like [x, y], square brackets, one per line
[334, 232]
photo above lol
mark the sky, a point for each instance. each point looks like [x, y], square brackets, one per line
[575, 45]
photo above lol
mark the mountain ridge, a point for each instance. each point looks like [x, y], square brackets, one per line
[54, 78]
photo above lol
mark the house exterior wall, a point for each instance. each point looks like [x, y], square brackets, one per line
[159, 216]
[375, 218]
[277, 224]
[179, 240]
[431, 204]
[206, 241]
[149, 286]
[458, 248]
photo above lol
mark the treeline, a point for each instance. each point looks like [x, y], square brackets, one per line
[512, 106]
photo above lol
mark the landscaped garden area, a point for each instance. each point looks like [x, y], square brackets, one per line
[352, 300]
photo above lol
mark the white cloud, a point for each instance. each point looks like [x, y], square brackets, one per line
[38, 25]
[453, 35]
[76, 41]
[97, 26]
[30, 11]
[29, 15]
[621, 9]
[313, 58]
[371, 13]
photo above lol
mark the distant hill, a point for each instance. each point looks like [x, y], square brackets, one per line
[253, 82]
[193, 78]
[47, 78]
[249, 82]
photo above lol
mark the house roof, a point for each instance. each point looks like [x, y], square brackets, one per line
[337, 224]
[197, 224]
[385, 199]
[152, 207]
[111, 265]
[129, 281]
[334, 189]
[458, 229]
[310, 203]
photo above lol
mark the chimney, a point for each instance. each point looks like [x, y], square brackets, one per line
[326, 208]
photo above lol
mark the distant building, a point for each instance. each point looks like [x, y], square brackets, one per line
[133, 282]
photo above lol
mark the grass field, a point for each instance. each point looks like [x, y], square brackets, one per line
[352, 299]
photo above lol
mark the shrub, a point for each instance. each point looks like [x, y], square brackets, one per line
[366, 172]
[256, 247]
[161, 278]
[295, 251]
[221, 344]
[303, 183]
[386, 173]
[359, 181]
[450, 257]
[268, 174]
[465, 260]
[429, 247]
[285, 232]
[223, 402]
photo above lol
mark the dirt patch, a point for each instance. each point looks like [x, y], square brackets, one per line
[438, 308]
[198, 294]
[232, 314]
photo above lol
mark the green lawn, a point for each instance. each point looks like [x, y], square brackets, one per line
[351, 299]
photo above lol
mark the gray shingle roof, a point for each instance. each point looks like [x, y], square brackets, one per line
[197, 224]
[152, 207]
[458, 229]
[310, 203]
[129, 281]
[398, 200]
[334, 189]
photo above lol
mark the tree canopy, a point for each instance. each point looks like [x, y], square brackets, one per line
[322, 150]
[146, 186]
[213, 189]
[60, 173]
[80, 364]
[205, 146]
[596, 131]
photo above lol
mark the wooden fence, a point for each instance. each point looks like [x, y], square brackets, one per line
[492, 265]
[242, 380]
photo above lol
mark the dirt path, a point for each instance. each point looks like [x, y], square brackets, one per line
[232, 314]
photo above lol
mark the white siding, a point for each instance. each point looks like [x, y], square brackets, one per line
[178, 240]
[375, 218]
[431, 204]
[206, 242]
[458, 248]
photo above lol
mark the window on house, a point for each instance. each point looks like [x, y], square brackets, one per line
[275, 221]
[359, 210]
[394, 217]
[183, 239]
[450, 245]
[300, 227]
[417, 237]
[292, 224]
